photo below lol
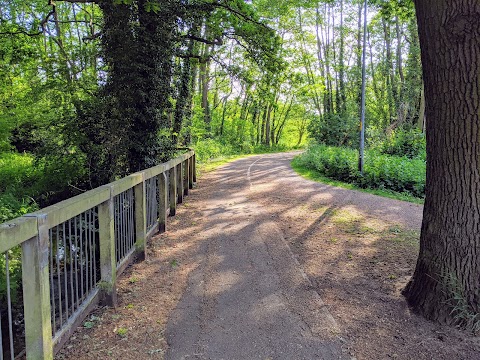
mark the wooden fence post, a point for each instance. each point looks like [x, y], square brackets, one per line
[186, 174]
[162, 202]
[36, 294]
[140, 219]
[173, 190]
[194, 170]
[179, 184]
[108, 260]
[190, 172]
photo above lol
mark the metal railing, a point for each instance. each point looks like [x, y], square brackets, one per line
[72, 253]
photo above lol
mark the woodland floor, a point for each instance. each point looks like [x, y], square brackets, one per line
[256, 252]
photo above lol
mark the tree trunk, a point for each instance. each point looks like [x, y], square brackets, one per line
[205, 81]
[389, 72]
[341, 72]
[421, 112]
[445, 286]
[267, 125]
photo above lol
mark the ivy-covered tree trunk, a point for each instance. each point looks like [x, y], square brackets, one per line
[445, 286]
[105, 124]
[148, 143]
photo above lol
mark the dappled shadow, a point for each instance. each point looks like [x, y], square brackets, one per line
[358, 250]
[270, 257]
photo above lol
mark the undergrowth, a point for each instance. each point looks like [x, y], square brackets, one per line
[399, 174]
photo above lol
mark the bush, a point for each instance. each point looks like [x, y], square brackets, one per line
[210, 148]
[11, 207]
[396, 173]
[17, 171]
[405, 142]
[334, 130]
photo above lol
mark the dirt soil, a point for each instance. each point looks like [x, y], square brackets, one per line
[357, 251]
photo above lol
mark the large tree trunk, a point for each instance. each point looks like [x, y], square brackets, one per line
[445, 286]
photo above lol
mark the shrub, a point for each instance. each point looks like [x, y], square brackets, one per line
[16, 171]
[396, 173]
[334, 130]
[405, 142]
[11, 207]
[210, 148]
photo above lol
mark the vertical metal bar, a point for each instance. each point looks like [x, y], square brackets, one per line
[9, 304]
[87, 254]
[92, 260]
[115, 233]
[65, 269]
[72, 297]
[72, 294]
[87, 285]
[148, 201]
[1, 334]
[59, 283]
[117, 228]
[154, 203]
[52, 287]
[119, 225]
[76, 262]
[81, 259]
[95, 217]
[122, 223]
[129, 224]
[132, 219]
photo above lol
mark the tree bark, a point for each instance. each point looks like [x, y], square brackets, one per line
[445, 286]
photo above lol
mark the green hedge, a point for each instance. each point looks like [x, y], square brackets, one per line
[396, 173]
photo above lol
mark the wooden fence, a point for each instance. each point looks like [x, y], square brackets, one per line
[73, 251]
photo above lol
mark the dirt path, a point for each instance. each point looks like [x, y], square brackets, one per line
[262, 264]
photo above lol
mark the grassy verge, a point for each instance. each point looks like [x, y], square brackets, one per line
[315, 175]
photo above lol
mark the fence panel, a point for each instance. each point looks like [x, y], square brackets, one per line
[74, 265]
[56, 263]
[124, 204]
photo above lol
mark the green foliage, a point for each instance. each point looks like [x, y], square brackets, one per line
[210, 149]
[16, 170]
[334, 130]
[400, 142]
[11, 207]
[395, 173]
[464, 312]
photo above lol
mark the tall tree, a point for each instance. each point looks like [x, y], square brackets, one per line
[445, 285]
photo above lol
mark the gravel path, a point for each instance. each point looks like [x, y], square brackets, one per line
[249, 298]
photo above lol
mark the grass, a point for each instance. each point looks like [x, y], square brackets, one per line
[122, 332]
[314, 175]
